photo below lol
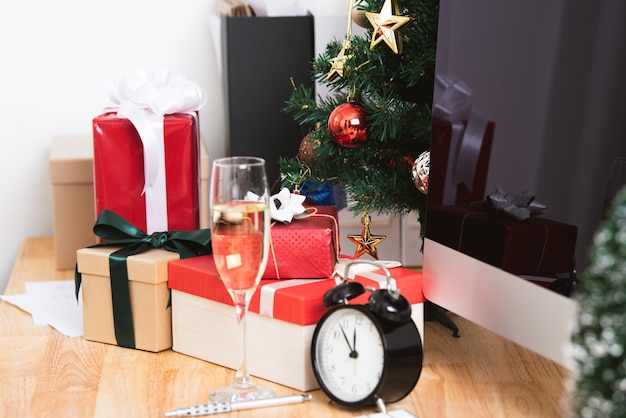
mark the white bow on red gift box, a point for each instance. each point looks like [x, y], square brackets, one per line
[284, 206]
[144, 98]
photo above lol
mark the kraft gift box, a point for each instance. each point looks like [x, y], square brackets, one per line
[149, 294]
[534, 246]
[306, 248]
[280, 322]
[71, 176]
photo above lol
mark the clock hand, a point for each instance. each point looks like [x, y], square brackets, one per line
[346, 338]
[353, 352]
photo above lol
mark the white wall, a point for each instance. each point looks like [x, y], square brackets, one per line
[57, 60]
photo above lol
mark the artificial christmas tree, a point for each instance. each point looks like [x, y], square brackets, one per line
[377, 120]
[599, 337]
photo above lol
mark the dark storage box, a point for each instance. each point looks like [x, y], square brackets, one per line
[261, 57]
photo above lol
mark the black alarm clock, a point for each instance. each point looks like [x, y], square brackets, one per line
[366, 354]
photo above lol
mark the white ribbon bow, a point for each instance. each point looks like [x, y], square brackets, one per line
[285, 205]
[452, 103]
[144, 98]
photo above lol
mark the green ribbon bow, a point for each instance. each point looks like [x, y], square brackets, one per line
[117, 231]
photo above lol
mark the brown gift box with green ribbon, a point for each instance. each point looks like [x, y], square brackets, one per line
[533, 246]
[126, 299]
[149, 297]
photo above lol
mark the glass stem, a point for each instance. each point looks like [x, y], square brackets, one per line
[242, 378]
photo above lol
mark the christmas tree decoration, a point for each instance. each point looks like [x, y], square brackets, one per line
[421, 171]
[348, 125]
[306, 152]
[599, 336]
[366, 242]
[374, 171]
[358, 14]
[385, 24]
[338, 63]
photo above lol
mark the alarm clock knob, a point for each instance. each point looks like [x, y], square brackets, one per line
[342, 293]
[390, 305]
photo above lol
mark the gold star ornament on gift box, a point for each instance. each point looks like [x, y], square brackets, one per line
[385, 24]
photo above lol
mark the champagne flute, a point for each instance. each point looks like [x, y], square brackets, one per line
[240, 223]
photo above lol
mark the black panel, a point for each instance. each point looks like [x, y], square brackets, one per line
[261, 55]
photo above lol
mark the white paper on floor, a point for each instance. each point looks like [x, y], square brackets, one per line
[51, 303]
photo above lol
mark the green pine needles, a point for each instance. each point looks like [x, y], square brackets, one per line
[396, 90]
[599, 338]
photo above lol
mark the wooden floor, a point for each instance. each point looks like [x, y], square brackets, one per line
[482, 374]
[479, 374]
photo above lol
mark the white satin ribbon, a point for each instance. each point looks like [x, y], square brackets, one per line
[266, 301]
[452, 103]
[144, 98]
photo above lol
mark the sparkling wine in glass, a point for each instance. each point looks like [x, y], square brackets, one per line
[240, 240]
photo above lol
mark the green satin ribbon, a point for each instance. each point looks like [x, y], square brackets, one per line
[117, 231]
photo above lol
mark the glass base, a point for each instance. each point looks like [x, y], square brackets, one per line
[234, 393]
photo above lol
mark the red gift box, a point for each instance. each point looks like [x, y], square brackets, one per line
[204, 324]
[119, 178]
[298, 301]
[307, 248]
[534, 246]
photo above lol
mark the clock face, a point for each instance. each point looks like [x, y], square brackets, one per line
[348, 355]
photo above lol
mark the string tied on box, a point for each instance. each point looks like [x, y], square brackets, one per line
[118, 232]
[285, 207]
[452, 102]
[144, 98]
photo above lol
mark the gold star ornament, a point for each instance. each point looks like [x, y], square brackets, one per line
[366, 242]
[385, 24]
[338, 63]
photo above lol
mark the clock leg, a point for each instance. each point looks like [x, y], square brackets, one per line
[436, 313]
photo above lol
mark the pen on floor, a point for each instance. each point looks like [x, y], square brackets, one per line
[221, 407]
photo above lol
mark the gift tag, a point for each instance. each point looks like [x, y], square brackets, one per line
[398, 413]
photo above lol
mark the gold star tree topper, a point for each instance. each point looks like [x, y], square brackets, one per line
[366, 242]
[385, 24]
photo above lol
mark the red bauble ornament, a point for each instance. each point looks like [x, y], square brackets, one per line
[347, 125]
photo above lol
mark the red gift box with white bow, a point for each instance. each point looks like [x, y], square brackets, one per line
[147, 152]
[119, 173]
